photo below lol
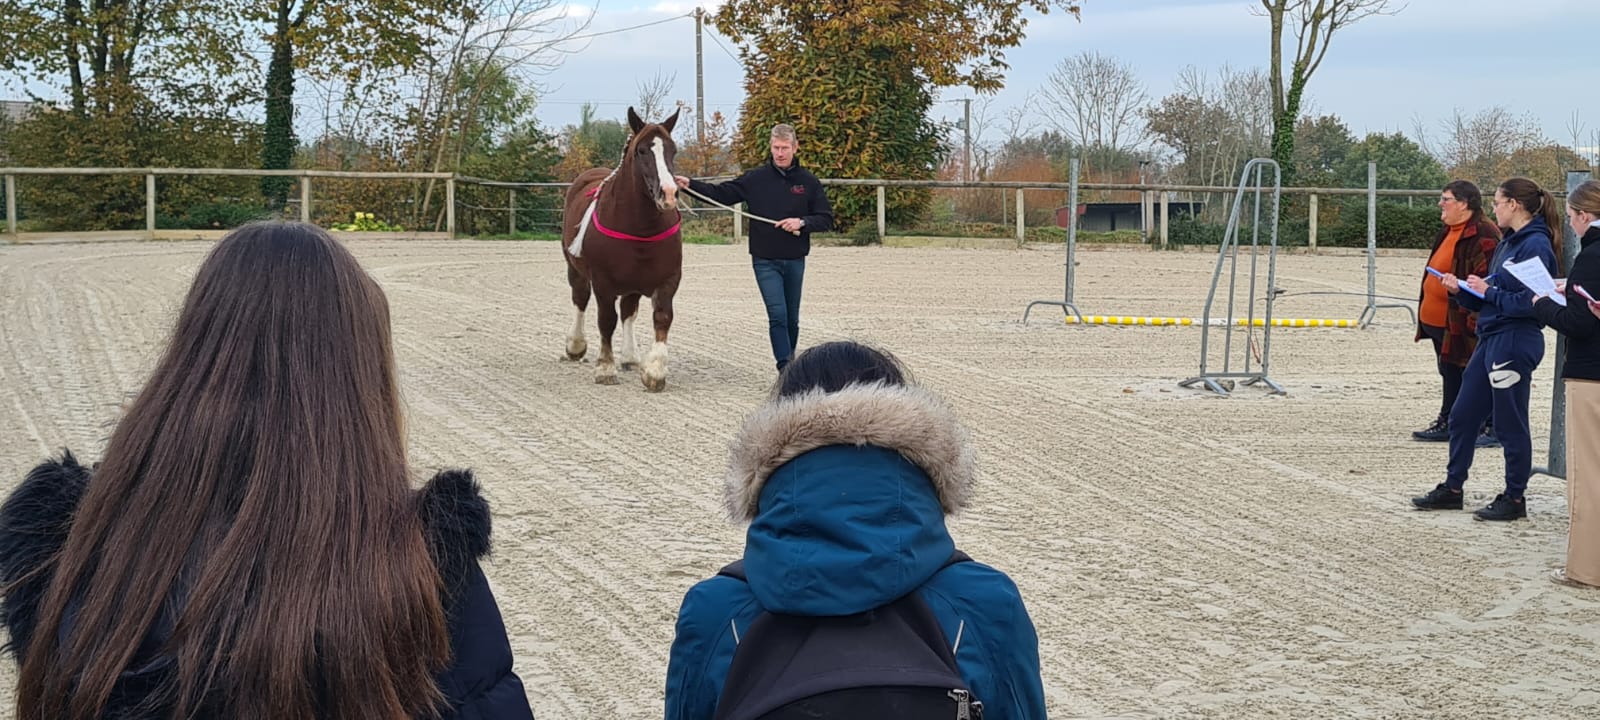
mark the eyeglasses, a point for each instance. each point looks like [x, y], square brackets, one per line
[1447, 198]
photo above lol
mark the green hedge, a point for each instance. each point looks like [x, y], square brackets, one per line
[1399, 226]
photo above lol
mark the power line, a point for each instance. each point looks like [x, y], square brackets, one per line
[724, 48]
[618, 30]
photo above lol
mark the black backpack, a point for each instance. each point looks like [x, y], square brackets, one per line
[888, 663]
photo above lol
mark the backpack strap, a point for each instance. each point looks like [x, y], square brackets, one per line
[734, 570]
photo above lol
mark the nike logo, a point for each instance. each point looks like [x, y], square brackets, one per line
[1497, 366]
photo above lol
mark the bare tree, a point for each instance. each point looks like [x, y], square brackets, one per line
[1476, 147]
[523, 38]
[653, 94]
[1314, 23]
[1214, 122]
[1016, 119]
[1098, 102]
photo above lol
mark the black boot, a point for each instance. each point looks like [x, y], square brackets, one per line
[1439, 431]
[1486, 437]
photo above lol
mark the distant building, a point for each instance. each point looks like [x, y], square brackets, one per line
[1112, 216]
[15, 110]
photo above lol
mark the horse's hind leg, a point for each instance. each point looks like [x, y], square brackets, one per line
[628, 356]
[655, 364]
[605, 369]
[577, 346]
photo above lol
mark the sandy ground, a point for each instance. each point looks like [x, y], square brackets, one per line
[1183, 555]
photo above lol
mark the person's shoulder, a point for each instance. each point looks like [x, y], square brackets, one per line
[978, 585]
[710, 602]
[456, 523]
[48, 495]
[34, 522]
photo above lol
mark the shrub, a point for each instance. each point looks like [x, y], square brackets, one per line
[365, 222]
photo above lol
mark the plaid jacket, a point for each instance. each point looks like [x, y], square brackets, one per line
[1473, 251]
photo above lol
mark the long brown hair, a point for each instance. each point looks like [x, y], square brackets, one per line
[1539, 203]
[257, 485]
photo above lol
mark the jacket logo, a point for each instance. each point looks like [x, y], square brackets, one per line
[797, 189]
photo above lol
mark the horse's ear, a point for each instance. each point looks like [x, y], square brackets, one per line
[634, 121]
[671, 121]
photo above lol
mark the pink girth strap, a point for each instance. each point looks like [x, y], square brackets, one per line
[594, 192]
[664, 234]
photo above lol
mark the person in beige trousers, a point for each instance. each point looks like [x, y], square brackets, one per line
[1579, 321]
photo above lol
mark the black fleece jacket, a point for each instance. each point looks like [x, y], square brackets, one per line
[1575, 321]
[776, 193]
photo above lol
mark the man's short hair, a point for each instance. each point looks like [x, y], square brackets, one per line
[784, 131]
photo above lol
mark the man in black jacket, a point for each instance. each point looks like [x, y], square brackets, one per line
[792, 198]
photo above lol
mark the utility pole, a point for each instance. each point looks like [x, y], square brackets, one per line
[699, 80]
[966, 129]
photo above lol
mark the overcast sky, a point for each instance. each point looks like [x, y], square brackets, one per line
[1535, 56]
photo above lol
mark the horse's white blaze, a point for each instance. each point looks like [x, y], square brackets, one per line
[629, 354]
[669, 187]
[655, 364]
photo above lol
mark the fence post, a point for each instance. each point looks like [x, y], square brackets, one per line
[450, 205]
[1311, 239]
[738, 222]
[512, 203]
[305, 198]
[1144, 216]
[1166, 218]
[1022, 230]
[883, 214]
[11, 204]
[150, 205]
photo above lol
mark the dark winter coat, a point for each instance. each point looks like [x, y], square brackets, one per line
[479, 684]
[1575, 321]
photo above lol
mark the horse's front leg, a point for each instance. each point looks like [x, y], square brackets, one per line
[628, 355]
[655, 364]
[576, 345]
[605, 369]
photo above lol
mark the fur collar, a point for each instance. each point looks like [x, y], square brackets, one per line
[907, 419]
[35, 519]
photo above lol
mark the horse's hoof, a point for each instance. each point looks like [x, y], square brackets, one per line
[654, 384]
[576, 350]
[627, 366]
[574, 358]
[605, 379]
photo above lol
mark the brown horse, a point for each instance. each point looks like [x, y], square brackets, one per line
[620, 236]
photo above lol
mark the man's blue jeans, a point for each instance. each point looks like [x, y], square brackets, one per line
[780, 281]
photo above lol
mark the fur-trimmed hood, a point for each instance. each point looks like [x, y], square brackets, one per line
[35, 519]
[906, 419]
[846, 495]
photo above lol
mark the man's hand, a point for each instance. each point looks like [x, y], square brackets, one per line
[683, 182]
[792, 225]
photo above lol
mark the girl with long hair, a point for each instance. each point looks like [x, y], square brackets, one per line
[249, 545]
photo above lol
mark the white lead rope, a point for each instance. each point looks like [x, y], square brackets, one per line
[751, 215]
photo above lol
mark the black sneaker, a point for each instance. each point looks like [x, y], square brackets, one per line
[1503, 509]
[1439, 431]
[1486, 439]
[1440, 497]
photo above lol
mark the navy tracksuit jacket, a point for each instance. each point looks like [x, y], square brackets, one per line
[1510, 347]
